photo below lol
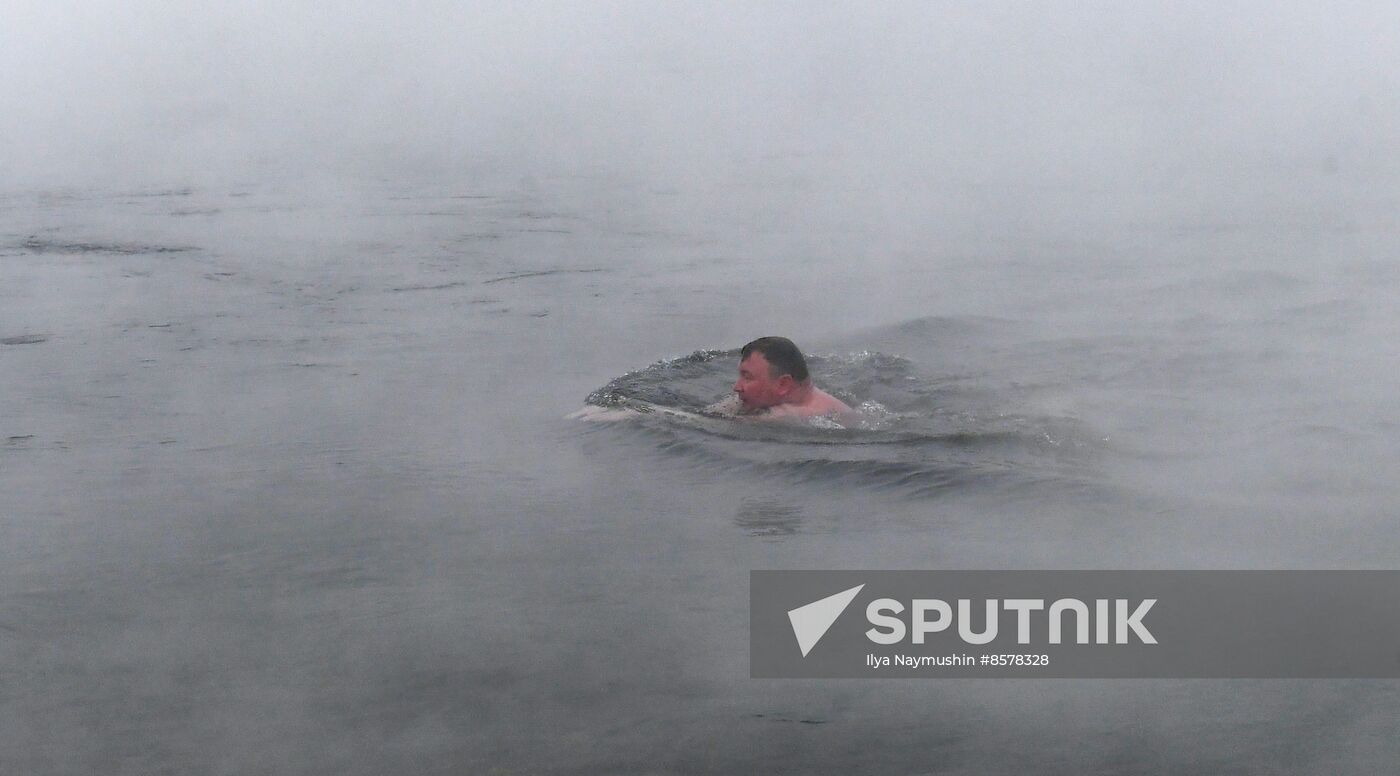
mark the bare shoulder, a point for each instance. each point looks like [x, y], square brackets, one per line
[824, 403]
[818, 403]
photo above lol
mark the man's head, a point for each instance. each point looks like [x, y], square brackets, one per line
[770, 370]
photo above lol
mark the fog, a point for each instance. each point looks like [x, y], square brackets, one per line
[294, 300]
[993, 93]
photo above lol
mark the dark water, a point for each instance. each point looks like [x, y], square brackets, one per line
[288, 485]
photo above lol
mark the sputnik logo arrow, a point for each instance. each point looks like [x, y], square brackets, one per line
[811, 622]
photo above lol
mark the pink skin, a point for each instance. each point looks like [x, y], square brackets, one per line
[783, 395]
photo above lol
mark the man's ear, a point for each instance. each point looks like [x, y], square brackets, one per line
[785, 383]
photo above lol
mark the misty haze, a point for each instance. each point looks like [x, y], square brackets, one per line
[295, 302]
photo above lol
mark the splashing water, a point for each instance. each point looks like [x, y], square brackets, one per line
[910, 429]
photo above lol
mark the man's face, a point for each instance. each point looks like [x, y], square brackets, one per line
[756, 386]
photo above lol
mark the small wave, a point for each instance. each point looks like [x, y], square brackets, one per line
[24, 339]
[540, 274]
[36, 245]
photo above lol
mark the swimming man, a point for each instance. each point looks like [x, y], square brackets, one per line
[773, 380]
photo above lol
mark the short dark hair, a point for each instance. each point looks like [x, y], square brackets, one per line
[782, 356]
